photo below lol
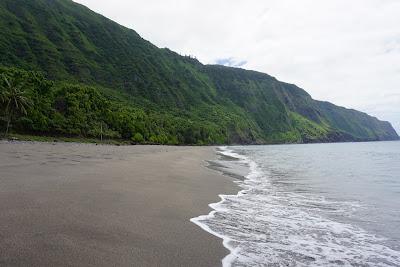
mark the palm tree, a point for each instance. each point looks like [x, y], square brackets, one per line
[13, 99]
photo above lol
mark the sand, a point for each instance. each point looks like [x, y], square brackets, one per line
[86, 205]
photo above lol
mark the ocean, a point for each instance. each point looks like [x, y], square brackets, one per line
[310, 205]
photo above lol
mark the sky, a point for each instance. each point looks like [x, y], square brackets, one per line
[343, 51]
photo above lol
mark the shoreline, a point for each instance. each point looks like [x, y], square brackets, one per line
[15, 137]
[256, 224]
[86, 205]
[241, 176]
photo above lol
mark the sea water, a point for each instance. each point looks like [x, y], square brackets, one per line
[310, 205]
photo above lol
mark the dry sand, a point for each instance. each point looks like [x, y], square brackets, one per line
[87, 205]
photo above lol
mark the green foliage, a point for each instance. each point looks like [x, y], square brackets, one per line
[138, 137]
[99, 78]
[84, 111]
[309, 131]
[13, 99]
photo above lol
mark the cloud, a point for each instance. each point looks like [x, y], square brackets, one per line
[346, 52]
[230, 62]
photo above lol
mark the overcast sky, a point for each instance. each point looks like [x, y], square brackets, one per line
[343, 51]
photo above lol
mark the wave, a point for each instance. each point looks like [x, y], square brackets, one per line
[265, 226]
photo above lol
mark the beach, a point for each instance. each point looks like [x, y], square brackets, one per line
[68, 204]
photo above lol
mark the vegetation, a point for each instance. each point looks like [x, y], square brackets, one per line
[13, 98]
[78, 110]
[86, 76]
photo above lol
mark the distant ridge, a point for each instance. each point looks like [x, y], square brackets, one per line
[178, 99]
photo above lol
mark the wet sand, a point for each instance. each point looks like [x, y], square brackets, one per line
[86, 205]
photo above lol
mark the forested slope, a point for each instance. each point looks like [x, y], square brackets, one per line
[99, 75]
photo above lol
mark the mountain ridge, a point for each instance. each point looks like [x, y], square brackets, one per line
[70, 43]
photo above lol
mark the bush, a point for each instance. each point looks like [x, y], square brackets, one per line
[138, 138]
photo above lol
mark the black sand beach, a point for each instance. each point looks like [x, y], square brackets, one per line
[86, 205]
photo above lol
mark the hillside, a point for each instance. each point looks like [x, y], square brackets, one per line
[98, 74]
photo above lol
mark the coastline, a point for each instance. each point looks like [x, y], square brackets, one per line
[86, 205]
[270, 221]
[15, 137]
[240, 168]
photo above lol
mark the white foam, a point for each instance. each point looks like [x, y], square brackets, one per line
[261, 225]
[218, 207]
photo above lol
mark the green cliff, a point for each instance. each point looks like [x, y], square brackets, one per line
[87, 75]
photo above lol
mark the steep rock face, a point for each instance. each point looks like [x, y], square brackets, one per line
[69, 42]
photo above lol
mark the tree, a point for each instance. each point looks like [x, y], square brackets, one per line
[13, 99]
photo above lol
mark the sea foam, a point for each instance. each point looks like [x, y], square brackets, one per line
[264, 226]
